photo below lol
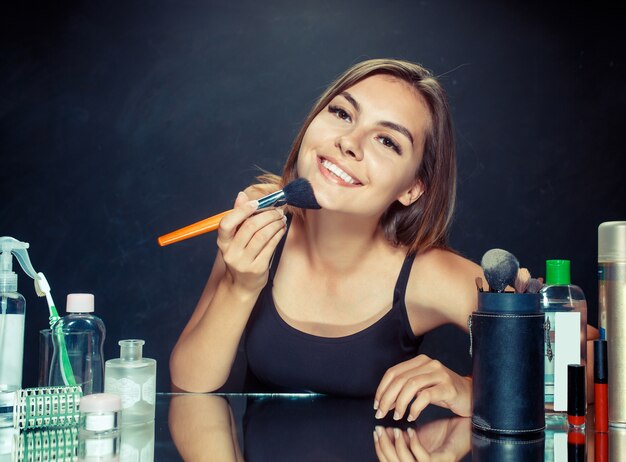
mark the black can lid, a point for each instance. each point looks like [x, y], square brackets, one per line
[576, 396]
[600, 366]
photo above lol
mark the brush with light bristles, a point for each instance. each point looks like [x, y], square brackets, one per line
[298, 193]
[500, 268]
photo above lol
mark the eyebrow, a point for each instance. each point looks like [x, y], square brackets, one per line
[384, 123]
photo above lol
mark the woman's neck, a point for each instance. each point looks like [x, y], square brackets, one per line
[339, 242]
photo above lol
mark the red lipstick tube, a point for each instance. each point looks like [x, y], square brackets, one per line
[600, 386]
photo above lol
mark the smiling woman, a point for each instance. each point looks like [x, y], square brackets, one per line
[336, 300]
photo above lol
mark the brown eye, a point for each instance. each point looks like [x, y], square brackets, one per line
[388, 142]
[340, 113]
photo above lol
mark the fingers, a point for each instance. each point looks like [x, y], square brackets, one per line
[395, 380]
[419, 387]
[257, 232]
[417, 449]
[424, 381]
[393, 445]
[393, 373]
[244, 208]
[384, 446]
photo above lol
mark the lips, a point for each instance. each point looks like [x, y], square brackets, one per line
[336, 173]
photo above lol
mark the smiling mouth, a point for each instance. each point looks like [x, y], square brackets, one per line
[338, 173]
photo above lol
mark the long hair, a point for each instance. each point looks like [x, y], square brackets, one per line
[425, 223]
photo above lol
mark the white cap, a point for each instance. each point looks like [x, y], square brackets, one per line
[79, 303]
[612, 241]
[100, 402]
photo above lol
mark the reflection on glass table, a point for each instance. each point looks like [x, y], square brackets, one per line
[283, 427]
[308, 428]
[255, 427]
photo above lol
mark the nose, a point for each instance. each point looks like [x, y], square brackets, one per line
[350, 145]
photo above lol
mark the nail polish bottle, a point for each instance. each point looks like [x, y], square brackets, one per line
[576, 396]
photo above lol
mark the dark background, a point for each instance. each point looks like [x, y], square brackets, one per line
[123, 120]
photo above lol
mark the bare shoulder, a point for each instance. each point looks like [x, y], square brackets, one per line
[444, 283]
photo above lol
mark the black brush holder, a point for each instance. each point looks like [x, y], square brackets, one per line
[507, 335]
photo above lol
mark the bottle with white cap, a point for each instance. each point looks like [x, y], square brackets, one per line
[84, 334]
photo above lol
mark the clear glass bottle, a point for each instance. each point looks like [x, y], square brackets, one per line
[86, 355]
[133, 378]
[559, 295]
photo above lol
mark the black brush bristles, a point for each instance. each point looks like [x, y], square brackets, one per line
[299, 193]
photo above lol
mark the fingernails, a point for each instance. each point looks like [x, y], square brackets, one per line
[379, 414]
[410, 418]
[376, 403]
[411, 433]
[396, 416]
[375, 436]
[254, 204]
[396, 433]
[241, 195]
[379, 430]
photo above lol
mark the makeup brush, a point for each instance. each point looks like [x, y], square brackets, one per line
[298, 193]
[522, 280]
[500, 268]
[534, 286]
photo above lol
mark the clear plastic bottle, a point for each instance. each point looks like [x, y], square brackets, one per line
[559, 295]
[12, 316]
[133, 378]
[13, 309]
[84, 335]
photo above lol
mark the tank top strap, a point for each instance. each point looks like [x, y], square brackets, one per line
[403, 279]
[279, 251]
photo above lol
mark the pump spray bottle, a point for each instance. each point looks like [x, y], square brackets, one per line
[12, 317]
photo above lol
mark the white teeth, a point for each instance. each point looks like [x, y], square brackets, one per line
[337, 171]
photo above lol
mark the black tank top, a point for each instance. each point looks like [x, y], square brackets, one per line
[284, 359]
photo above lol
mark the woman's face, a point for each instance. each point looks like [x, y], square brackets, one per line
[361, 152]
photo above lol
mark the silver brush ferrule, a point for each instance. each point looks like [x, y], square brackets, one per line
[276, 199]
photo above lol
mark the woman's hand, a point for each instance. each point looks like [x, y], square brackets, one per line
[247, 243]
[442, 440]
[427, 381]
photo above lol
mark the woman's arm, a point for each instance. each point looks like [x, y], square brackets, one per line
[203, 356]
[443, 286]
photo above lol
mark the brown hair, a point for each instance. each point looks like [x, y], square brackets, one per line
[425, 223]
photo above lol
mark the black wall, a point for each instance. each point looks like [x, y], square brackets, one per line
[120, 121]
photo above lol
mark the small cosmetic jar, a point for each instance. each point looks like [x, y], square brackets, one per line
[100, 419]
[100, 412]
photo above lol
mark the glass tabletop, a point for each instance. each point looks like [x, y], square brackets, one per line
[303, 427]
[307, 427]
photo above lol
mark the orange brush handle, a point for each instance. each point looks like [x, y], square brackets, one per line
[195, 229]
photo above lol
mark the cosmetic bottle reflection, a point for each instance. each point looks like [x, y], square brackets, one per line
[617, 446]
[576, 446]
[138, 443]
[601, 447]
[7, 439]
